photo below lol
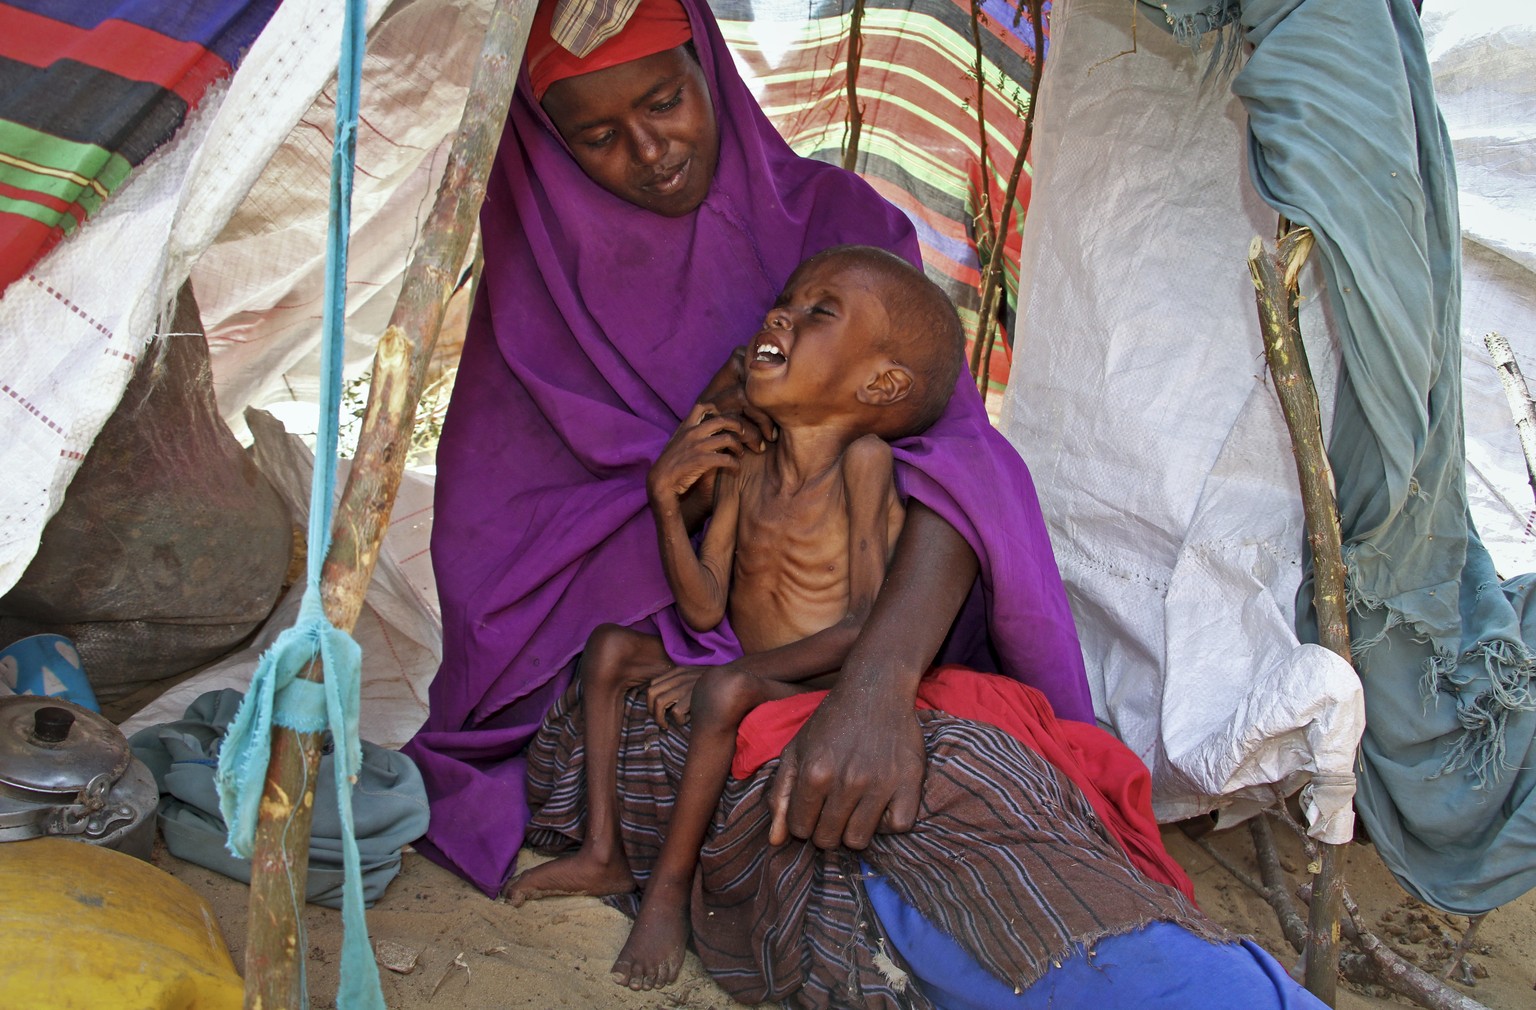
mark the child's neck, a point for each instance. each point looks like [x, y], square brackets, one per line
[803, 453]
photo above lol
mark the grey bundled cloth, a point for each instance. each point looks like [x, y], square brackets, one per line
[389, 803]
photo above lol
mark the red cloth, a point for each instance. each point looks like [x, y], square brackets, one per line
[654, 27]
[1114, 779]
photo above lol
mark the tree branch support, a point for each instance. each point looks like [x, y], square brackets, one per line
[1275, 292]
[1519, 398]
[855, 111]
[280, 864]
[992, 276]
[1374, 962]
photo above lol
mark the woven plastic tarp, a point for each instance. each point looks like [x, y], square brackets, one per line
[1154, 437]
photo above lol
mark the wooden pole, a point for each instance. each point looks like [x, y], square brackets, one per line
[280, 863]
[1275, 287]
[981, 223]
[1519, 398]
[984, 210]
[1374, 964]
[992, 286]
[855, 113]
[279, 868]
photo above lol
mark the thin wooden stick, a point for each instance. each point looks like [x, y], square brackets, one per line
[984, 210]
[1322, 974]
[1379, 964]
[1519, 398]
[1275, 290]
[1375, 963]
[1277, 887]
[1458, 956]
[855, 112]
[280, 864]
[992, 285]
[982, 223]
[1241, 875]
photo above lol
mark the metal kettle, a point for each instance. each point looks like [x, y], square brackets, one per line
[65, 770]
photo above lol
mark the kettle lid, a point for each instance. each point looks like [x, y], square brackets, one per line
[54, 746]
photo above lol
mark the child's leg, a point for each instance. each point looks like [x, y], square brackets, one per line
[615, 660]
[653, 954]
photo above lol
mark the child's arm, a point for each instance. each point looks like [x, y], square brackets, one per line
[700, 582]
[870, 490]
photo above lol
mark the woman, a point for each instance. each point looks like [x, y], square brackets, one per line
[641, 219]
[605, 308]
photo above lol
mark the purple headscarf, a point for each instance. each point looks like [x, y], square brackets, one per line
[595, 327]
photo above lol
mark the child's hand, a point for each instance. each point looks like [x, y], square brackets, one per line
[670, 696]
[705, 443]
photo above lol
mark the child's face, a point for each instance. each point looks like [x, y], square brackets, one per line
[809, 354]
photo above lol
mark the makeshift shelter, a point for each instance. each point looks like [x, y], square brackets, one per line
[1147, 419]
[1184, 580]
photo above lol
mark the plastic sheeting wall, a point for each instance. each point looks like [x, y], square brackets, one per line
[75, 325]
[1139, 398]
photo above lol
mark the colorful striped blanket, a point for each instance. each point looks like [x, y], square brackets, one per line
[919, 143]
[88, 90]
[1008, 858]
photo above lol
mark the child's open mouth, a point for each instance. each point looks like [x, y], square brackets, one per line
[768, 354]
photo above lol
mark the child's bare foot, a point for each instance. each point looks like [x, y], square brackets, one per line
[653, 954]
[582, 872]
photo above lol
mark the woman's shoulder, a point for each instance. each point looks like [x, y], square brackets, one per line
[824, 180]
[842, 208]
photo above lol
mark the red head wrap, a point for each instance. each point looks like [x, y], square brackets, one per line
[654, 27]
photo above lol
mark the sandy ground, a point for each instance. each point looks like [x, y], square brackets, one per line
[474, 953]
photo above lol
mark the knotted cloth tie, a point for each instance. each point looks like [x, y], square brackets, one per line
[278, 694]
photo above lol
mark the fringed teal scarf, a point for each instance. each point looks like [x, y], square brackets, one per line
[1345, 136]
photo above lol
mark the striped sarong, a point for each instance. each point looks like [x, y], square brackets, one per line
[1008, 858]
[88, 90]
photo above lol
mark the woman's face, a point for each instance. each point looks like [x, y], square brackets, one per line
[644, 130]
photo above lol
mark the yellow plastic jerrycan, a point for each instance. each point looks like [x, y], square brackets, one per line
[83, 927]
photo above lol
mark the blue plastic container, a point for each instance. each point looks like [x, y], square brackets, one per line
[47, 666]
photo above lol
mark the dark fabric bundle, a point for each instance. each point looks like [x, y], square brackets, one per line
[170, 547]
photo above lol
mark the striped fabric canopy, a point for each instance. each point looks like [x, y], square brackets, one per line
[88, 90]
[919, 144]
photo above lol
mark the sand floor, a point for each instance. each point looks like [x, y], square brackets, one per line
[473, 953]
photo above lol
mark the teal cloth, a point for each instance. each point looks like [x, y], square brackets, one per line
[279, 694]
[1346, 137]
[389, 803]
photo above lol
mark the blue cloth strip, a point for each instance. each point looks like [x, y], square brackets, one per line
[278, 694]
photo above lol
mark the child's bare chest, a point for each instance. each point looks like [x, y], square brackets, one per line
[791, 564]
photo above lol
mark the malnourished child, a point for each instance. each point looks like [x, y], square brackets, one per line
[860, 349]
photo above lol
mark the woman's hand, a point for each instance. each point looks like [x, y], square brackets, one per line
[853, 769]
[670, 696]
[856, 766]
